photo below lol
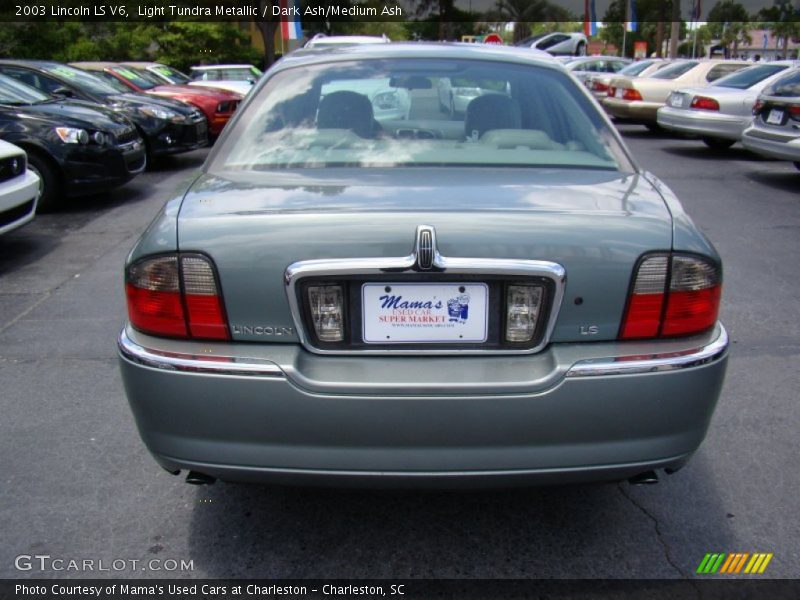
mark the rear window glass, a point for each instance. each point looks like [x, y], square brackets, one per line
[421, 112]
[788, 86]
[749, 77]
[676, 70]
[635, 68]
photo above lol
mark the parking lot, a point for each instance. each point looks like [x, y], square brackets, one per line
[79, 484]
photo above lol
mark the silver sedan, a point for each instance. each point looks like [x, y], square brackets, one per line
[775, 131]
[721, 112]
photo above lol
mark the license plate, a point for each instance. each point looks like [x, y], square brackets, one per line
[775, 117]
[407, 313]
[619, 93]
[676, 101]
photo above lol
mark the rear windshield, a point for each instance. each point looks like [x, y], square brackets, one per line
[421, 112]
[788, 86]
[172, 75]
[675, 71]
[741, 80]
[635, 68]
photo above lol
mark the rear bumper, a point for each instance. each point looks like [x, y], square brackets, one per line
[635, 111]
[573, 412]
[703, 123]
[777, 146]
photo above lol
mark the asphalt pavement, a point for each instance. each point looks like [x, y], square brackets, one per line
[78, 483]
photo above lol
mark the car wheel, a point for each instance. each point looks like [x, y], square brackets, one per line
[49, 193]
[717, 143]
[581, 49]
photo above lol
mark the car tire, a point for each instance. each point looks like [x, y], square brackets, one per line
[717, 143]
[581, 49]
[49, 191]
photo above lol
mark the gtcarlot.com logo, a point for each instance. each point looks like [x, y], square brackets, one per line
[46, 562]
[737, 563]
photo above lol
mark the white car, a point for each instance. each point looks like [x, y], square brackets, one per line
[236, 78]
[557, 43]
[19, 188]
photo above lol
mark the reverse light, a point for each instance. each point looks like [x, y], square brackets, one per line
[327, 311]
[523, 303]
[672, 295]
[705, 103]
[176, 296]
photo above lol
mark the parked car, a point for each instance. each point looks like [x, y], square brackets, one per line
[585, 66]
[321, 40]
[167, 126]
[719, 113]
[217, 105]
[74, 147]
[236, 78]
[557, 43]
[598, 83]
[19, 188]
[638, 99]
[775, 131]
[456, 93]
[506, 298]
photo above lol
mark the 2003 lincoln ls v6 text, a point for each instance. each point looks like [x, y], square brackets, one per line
[497, 296]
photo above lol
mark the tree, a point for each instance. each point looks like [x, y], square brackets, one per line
[783, 22]
[651, 15]
[729, 22]
[442, 11]
[524, 12]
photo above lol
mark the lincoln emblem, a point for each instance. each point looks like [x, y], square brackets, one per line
[426, 247]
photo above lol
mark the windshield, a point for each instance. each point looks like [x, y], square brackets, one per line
[16, 92]
[635, 68]
[91, 84]
[138, 78]
[529, 40]
[423, 112]
[675, 71]
[741, 80]
[788, 86]
[170, 74]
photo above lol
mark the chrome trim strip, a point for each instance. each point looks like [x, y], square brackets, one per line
[406, 264]
[655, 363]
[192, 363]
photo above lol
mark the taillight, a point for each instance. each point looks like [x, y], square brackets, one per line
[176, 295]
[705, 103]
[631, 94]
[672, 295]
[757, 107]
[611, 91]
[794, 112]
[599, 86]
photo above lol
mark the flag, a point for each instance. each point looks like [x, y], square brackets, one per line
[630, 23]
[291, 29]
[589, 19]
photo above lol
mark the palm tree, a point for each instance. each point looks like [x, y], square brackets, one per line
[524, 12]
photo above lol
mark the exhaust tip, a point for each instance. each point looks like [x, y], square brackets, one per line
[646, 478]
[195, 478]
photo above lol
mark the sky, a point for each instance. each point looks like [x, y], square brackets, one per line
[576, 6]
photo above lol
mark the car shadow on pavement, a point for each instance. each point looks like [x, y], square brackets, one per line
[788, 181]
[174, 162]
[598, 530]
[703, 152]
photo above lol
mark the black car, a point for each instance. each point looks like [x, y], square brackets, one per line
[75, 147]
[167, 126]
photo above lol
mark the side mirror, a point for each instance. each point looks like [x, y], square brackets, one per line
[62, 91]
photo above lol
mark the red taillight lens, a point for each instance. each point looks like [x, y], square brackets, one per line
[646, 303]
[757, 107]
[794, 112]
[631, 94]
[704, 103]
[176, 297]
[689, 304]
[611, 90]
[694, 293]
[598, 86]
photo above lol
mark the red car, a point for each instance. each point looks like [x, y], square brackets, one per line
[217, 105]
